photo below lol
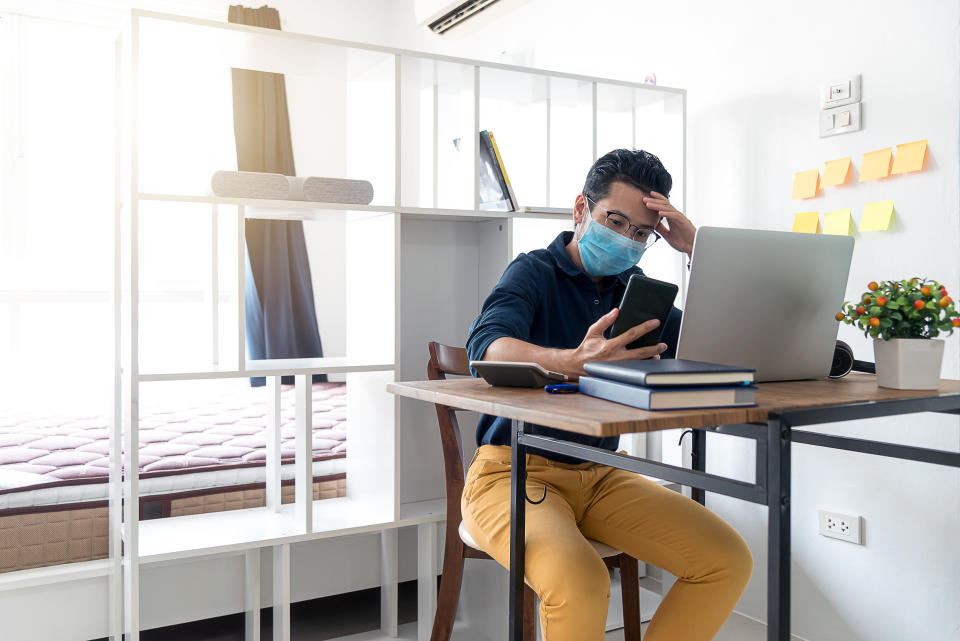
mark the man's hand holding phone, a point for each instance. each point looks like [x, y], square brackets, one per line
[595, 347]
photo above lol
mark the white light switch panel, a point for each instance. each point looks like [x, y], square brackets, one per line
[840, 120]
[844, 91]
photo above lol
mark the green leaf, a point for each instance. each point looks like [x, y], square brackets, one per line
[885, 323]
[875, 310]
[896, 316]
[892, 305]
[903, 302]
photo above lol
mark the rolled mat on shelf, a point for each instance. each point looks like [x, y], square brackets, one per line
[254, 184]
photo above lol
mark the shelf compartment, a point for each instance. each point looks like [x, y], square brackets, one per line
[438, 140]
[264, 203]
[183, 537]
[276, 367]
[325, 83]
[284, 209]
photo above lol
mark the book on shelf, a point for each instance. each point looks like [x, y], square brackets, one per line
[527, 209]
[670, 372]
[494, 193]
[668, 398]
[503, 169]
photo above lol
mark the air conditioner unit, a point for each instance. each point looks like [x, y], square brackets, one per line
[440, 16]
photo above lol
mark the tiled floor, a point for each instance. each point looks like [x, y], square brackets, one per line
[737, 628]
[351, 617]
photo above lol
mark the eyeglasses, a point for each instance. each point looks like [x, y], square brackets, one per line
[615, 221]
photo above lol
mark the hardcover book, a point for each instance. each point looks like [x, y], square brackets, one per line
[668, 398]
[670, 372]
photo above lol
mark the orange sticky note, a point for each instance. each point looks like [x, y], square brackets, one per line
[838, 222]
[876, 164]
[806, 184]
[835, 172]
[909, 157]
[877, 216]
[807, 222]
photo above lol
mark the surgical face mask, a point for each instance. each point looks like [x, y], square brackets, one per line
[604, 252]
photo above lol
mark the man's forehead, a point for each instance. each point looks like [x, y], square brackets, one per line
[628, 200]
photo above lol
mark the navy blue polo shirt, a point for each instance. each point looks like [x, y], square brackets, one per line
[543, 298]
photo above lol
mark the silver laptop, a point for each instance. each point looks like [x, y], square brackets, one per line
[765, 300]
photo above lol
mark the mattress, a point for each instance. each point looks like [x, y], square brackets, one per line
[201, 455]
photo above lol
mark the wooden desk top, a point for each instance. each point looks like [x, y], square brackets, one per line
[597, 417]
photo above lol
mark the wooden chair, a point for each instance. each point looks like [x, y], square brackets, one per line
[459, 545]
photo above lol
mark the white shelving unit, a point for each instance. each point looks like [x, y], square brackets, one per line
[417, 262]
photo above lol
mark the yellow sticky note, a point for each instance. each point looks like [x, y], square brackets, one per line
[909, 157]
[839, 223]
[876, 164]
[807, 222]
[806, 184]
[835, 172]
[877, 216]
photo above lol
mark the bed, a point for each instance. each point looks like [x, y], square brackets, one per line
[196, 456]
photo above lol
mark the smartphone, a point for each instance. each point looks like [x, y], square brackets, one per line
[644, 299]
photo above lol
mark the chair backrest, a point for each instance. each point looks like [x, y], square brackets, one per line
[449, 360]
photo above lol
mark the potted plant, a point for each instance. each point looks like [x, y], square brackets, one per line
[905, 317]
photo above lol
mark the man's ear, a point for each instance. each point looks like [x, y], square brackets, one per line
[579, 208]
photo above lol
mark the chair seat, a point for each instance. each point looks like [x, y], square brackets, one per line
[604, 550]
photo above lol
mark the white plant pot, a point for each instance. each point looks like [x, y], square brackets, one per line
[908, 363]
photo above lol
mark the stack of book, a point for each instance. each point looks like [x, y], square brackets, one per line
[669, 384]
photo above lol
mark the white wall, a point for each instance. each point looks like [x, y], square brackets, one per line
[752, 71]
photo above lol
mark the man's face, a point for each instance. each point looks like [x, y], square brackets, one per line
[623, 200]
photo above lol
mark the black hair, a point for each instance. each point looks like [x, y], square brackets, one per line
[635, 167]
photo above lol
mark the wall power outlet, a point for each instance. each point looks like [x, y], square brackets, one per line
[845, 527]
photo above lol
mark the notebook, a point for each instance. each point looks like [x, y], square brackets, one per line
[670, 372]
[667, 398]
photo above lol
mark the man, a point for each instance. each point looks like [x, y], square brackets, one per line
[552, 306]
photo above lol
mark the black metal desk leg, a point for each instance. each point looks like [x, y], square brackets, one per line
[778, 530]
[698, 455]
[518, 512]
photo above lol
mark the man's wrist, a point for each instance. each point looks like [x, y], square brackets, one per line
[566, 360]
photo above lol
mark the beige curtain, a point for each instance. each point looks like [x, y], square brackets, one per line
[281, 318]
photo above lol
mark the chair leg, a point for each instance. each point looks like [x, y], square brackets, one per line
[449, 594]
[630, 589]
[529, 614]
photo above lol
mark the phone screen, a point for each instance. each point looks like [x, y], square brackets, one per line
[644, 299]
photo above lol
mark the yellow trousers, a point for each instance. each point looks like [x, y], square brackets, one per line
[710, 559]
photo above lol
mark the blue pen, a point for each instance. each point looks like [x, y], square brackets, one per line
[562, 388]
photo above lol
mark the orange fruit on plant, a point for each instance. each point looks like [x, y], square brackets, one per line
[839, 316]
[866, 299]
[925, 290]
[918, 304]
[881, 300]
[956, 322]
[861, 310]
[873, 286]
[946, 300]
[874, 322]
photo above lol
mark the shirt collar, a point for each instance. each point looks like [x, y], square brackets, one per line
[558, 249]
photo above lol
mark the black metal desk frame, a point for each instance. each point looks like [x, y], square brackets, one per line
[772, 486]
